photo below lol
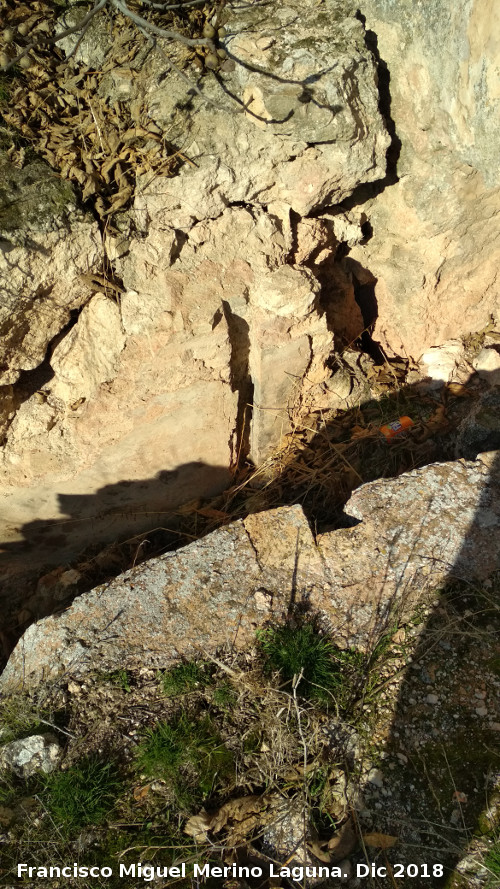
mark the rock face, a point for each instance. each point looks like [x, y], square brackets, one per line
[435, 248]
[219, 333]
[45, 246]
[218, 590]
[311, 130]
[337, 179]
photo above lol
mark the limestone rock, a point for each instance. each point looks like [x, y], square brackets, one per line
[37, 753]
[217, 591]
[285, 838]
[90, 48]
[208, 593]
[237, 265]
[88, 355]
[487, 365]
[440, 364]
[311, 131]
[435, 244]
[412, 533]
[45, 245]
[147, 406]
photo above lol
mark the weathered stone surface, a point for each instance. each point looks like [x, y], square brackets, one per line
[487, 365]
[231, 270]
[412, 533]
[441, 363]
[311, 131]
[89, 354]
[42, 255]
[233, 297]
[435, 248]
[91, 47]
[37, 753]
[480, 430]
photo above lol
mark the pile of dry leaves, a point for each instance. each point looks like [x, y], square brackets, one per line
[62, 110]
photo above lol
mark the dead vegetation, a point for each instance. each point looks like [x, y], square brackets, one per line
[63, 109]
[226, 760]
[217, 760]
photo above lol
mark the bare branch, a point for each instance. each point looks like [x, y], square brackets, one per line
[80, 38]
[166, 6]
[194, 86]
[122, 7]
[51, 41]
[73, 30]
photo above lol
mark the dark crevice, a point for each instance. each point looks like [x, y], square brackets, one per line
[181, 238]
[364, 284]
[247, 205]
[294, 222]
[369, 190]
[241, 382]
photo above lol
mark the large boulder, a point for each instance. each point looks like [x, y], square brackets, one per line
[411, 534]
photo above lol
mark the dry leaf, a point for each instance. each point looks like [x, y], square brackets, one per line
[210, 513]
[458, 390]
[197, 827]
[90, 187]
[315, 848]
[344, 841]
[141, 792]
[113, 140]
[134, 133]
[236, 810]
[297, 772]
[76, 173]
[379, 840]
[107, 167]
[437, 422]
[119, 200]
[358, 432]
[121, 176]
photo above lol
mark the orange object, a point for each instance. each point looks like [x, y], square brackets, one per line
[397, 426]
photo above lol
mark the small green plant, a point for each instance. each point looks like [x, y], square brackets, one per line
[224, 695]
[82, 795]
[189, 753]
[7, 792]
[20, 716]
[121, 678]
[294, 650]
[184, 678]
[492, 862]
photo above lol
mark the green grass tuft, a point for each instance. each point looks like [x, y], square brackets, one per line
[84, 794]
[121, 679]
[189, 754]
[20, 716]
[492, 861]
[224, 696]
[184, 678]
[290, 650]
